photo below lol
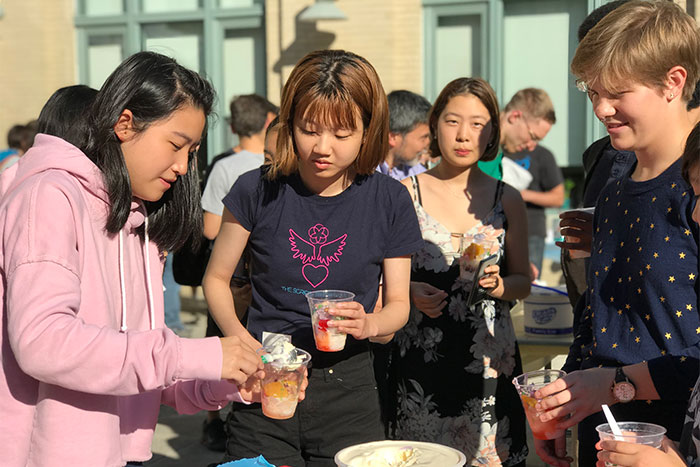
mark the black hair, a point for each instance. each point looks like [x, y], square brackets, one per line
[406, 110]
[249, 114]
[65, 114]
[152, 86]
[596, 15]
[272, 125]
[691, 153]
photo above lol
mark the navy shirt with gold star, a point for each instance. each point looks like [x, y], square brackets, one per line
[642, 298]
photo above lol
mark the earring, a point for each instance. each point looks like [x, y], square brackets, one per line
[671, 96]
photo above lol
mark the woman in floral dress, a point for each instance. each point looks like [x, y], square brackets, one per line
[453, 363]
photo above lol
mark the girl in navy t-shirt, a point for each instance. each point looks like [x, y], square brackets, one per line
[319, 217]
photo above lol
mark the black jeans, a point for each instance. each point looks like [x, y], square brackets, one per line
[341, 409]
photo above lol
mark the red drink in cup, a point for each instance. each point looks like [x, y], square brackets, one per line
[527, 384]
[328, 338]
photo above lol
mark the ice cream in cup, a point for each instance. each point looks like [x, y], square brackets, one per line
[284, 367]
[321, 302]
[633, 432]
[526, 385]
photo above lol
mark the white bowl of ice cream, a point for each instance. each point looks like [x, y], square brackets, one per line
[399, 454]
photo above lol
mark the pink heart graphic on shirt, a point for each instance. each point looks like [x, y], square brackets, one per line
[316, 274]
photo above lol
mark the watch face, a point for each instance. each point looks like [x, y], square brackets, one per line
[624, 391]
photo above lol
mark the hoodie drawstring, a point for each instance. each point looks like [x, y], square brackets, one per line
[149, 292]
[122, 281]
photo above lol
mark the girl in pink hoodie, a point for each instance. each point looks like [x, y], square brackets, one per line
[86, 358]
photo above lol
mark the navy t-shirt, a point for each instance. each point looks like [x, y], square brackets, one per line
[642, 298]
[300, 242]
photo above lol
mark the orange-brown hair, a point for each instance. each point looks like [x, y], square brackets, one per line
[639, 42]
[332, 88]
[480, 89]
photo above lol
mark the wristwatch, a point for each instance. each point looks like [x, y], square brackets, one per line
[623, 389]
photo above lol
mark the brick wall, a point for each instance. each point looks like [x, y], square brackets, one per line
[386, 32]
[37, 56]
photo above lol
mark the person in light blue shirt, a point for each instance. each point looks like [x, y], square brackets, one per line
[409, 135]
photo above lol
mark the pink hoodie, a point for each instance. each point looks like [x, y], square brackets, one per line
[86, 358]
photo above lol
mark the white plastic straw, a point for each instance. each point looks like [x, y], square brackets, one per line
[611, 420]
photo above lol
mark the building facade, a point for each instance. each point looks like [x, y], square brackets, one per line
[246, 46]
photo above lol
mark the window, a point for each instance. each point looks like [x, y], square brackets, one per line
[224, 40]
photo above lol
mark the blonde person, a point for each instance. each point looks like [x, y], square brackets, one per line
[454, 362]
[636, 344]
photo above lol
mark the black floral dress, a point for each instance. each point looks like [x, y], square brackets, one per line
[452, 374]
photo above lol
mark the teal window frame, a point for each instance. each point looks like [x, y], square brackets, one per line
[215, 21]
[493, 17]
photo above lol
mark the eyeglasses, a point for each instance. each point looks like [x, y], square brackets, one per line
[531, 134]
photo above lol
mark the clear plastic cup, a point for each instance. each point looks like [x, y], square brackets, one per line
[526, 385]
[577, 254]
[634, 432]
[328, 339]
[279, 392]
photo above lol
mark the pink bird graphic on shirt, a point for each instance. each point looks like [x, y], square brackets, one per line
[316, 253]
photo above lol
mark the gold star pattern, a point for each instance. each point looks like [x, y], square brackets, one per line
[651, 226]
[637, 339]
[625, 212]
[627, 306]
[679, 313]
[671, 279]
[612, 299]
[682, 255]
[691, 276]
[639, 291]
[689, 307]
[603, 330]
[669, 209]
[648, 267]
[673, 185]
[638, 219]
[663, 352]
[632, 329]
[647, 317]
[684, 193]
[611, 231]
[596, 273]
[697, 330]
[653, 200]
[667, 238]
[667, 335]
[606, 268]
[656, 255]
[686, 231]
[614, 346]
[683, 358]
[619, 312]
[619, 280]
[663, 299]
[614, 260]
